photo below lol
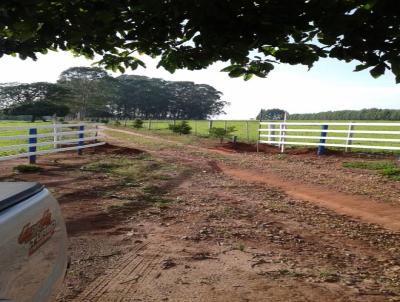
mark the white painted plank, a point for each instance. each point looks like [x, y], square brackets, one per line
[9, 128]
[339, 131]
[49, 151]
[48, 134]
[393, 140]
[333, 145]
[67, 141]
[332, 124]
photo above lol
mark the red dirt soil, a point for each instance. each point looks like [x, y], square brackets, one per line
[355, 206]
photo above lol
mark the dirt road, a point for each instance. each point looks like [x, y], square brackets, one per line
[359, 207]
[163, 222]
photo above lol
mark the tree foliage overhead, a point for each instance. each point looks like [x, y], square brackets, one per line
[250, 35]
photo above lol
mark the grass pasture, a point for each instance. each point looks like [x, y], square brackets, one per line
[248, 131]
[245, 131]
[12, 133]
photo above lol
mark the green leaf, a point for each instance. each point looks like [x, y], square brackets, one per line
[377, 71]
[247, 76]
[237, 72]
[361, 67]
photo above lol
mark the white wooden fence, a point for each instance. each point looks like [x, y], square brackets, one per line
[52, 137]
[383, 136]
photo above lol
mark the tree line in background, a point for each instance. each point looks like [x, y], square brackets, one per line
[364, 114]
[90, 92]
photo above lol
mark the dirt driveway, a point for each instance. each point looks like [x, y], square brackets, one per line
[161, 221]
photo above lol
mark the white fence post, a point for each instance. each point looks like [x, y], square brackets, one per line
[258, 136]
[55, 133]
[349, 136]
[282, 138]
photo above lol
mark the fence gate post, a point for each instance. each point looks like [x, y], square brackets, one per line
[32, 141]
[81, 135]
[349, 136]
[321, 148]
[210, 122]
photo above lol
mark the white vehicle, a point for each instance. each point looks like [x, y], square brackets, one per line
[33, 243]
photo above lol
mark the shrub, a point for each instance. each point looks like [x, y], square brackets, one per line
[181, 128]
[117, 123]
[221, 133]
[104, 121]
[137, 124]
[27, 168]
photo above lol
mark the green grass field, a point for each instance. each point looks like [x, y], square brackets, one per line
[12, 133]
[248, 131]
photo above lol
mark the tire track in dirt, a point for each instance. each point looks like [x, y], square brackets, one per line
[119, 281]
[355, 206]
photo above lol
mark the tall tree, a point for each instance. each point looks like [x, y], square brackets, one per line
[271, 114]
[250, 35]
[38, 109]
[91, 89]
[16, 94]
[144, 97]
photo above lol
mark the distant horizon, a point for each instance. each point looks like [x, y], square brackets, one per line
[330, 85]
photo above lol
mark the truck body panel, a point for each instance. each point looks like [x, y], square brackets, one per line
[33, 245]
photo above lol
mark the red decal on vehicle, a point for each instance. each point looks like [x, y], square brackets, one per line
[37, 234]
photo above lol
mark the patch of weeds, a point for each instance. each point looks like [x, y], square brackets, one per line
[100, 166]
[393, 173]
[157, 200]
[162, 203]
[151, 189]
[162, 176]
[281, 156]
[370, 165]
[27, 168]
[239, 247]
[229, 212]
[329, 276]
[386, 168]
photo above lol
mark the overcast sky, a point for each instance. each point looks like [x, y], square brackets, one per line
[329, 85]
